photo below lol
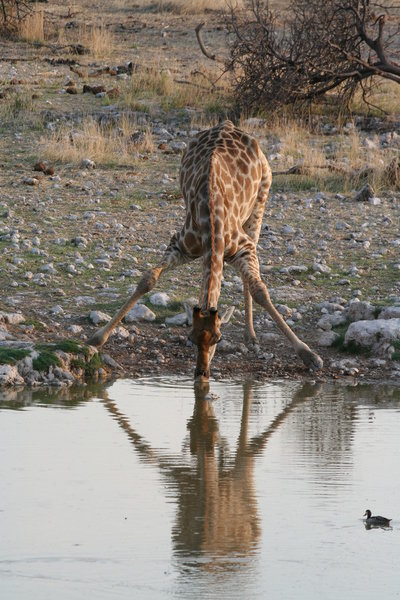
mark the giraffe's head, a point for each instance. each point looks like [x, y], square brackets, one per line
[205, 334]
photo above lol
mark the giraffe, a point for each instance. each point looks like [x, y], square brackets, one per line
[225, 180]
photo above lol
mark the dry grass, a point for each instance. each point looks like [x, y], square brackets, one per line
[99, 39]
[15, 104]
[155, 86]
[32, 27]
[338, 163]
[385, 98]
[186, 7]
[105, 145]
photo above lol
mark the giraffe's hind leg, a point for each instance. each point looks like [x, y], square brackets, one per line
[246, 262]
[171, 259]
[252, 228]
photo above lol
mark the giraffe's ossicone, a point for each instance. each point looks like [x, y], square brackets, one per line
[225, 179]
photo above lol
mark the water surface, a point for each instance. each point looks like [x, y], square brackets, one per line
[155, 489]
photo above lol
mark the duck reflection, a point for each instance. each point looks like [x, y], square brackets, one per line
[217, 514]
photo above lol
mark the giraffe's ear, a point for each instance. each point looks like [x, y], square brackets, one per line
[226, 315]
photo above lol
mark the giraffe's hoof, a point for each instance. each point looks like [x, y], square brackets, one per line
[97, 339]
[250, 340]
[311, 359]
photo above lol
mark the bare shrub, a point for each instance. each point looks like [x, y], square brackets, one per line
[340, 45]
[12, 15]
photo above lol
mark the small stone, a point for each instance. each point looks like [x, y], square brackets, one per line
[12, 318]
[88, 164]
[178, 146]
[332, 320]
[75, 329]
[140, 312]
[374, 201]
[360, 311]
[365, 193]
[286, 311]
[160, 299]
[179, 319]
[121, 333]
[31, 181]
[56, 310]
[110, 362]
[327, 338]
[390, 312]
[321, 268]
[96, 317]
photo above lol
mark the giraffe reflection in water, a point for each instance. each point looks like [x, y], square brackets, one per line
[217, 513]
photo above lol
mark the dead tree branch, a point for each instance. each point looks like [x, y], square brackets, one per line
[204, 50]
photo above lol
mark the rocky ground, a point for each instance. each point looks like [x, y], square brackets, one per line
[76, 236]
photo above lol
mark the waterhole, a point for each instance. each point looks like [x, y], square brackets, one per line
[158, 489]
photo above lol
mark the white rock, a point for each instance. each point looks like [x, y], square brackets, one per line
[12, 318]
[390, 312]
[179, 319]
[374, 201]
[79, 300]
[74, 329]
[121, 332]
[371, 333]
[140, 312]
[9, 375]
[49, 268]
[57, 310]
[360, 311]
[88, 164]
[321, 268]
[327, 338]
[160, 299]
[297, 269]
[96, 316]
[331, 320]
[178, 146]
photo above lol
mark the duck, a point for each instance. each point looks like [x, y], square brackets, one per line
[375, 520]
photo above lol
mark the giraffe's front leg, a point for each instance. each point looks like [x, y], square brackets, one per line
[172, 258]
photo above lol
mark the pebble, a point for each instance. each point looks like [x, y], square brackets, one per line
[140, 312]
[88, 164]
[97, 317]
[179, 319]
[160, 299]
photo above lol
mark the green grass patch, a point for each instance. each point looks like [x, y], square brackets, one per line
[38, 325]
[396, 353]
[45, 360]
[162, 312]
[89, 367]
[48, 357]
[10, 356]
[72, 347]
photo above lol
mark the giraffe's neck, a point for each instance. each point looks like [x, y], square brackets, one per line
[213, 245]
